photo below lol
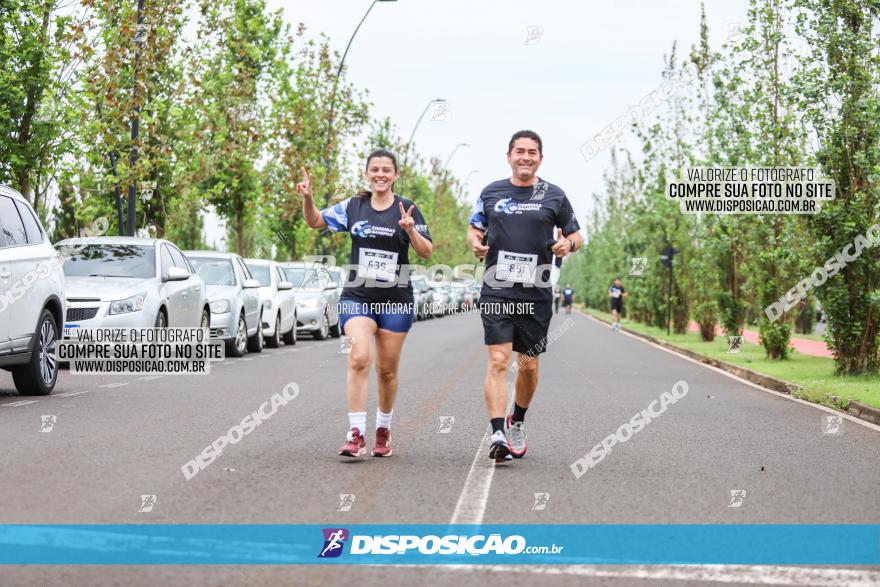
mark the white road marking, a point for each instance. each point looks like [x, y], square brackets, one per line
[864, 423]
[70, 393]
[746, 574]
[246, 359]
[474, 496]
[111, 385]
[151, 377]
[23, 402]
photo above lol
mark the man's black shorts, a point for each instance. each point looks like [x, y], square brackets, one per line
[526, 330]
[617, 304]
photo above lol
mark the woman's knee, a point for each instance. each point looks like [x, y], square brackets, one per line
[359, 359]
[386, 373]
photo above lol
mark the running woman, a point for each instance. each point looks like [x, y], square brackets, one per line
[567, 298]
[520, 215]
[383, 226]
[616, 292]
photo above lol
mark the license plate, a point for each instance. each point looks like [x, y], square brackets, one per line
[69, 329]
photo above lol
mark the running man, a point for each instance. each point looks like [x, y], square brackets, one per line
[567, 298]
[383, 226]
[616, 292]
[519, 215]
[555, 299]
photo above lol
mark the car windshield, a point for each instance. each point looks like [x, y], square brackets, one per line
[214, 271]
[109, 260]
[261, 274]
[304, 279]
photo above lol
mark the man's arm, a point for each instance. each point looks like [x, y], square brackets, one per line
[566, 244]
[475, 239]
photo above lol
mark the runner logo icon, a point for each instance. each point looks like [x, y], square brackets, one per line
[334, 540]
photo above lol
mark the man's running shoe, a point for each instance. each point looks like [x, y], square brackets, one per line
[516, 438]
[356, 445]
[382, 447]
[498, 450]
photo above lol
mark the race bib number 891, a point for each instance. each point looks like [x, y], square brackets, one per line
[517, 267]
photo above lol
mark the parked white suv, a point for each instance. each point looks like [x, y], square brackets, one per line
[31, 297]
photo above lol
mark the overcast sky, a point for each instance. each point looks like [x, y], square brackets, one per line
[592, 61]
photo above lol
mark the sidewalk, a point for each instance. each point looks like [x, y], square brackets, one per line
[805, 346]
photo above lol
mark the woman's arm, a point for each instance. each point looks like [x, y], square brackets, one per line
[310, 212]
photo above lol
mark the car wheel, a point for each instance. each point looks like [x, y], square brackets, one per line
[255, 343]
[274, 341]
[324, 331]
[238, 345]
[161, 319]
[334, 330]
[290, 337]
[38, 376]
[205, 322]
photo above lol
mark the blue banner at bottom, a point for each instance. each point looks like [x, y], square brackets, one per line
[271, 544]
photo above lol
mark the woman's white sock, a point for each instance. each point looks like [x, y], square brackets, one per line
[383, 420]
[358, 420]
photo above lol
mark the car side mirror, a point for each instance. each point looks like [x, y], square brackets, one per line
[177, 274]
[283, 285]
[250, 283]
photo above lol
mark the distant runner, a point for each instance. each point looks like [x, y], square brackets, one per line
[616, 292]
[567, 298]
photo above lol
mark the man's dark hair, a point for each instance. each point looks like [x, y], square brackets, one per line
[526, 134]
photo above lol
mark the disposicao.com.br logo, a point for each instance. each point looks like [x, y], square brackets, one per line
[451, 544]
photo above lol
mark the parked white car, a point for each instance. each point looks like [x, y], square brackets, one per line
[129, 282]
[279, 302]
[32, 301]
[235, 301]
[317, 298]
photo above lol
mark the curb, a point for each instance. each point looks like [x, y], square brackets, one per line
[854, 408]
[863, 412]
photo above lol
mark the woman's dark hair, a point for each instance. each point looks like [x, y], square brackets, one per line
[526, 134]
[370, 157]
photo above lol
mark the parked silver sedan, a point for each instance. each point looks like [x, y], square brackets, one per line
[130, 282]
[279, 302]
[317, 298]
[234, 299]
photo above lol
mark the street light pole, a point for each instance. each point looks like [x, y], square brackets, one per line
[448, 159]
[329, 154]
[416, 127]
[139, 38]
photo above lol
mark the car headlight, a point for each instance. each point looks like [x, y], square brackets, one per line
[219, 306]
[132, 304]
[309, 303]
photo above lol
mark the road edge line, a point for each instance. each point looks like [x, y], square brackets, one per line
[671, 350]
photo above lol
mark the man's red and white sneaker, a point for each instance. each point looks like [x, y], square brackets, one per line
[516, 438]
[356, 445]
[383, 443]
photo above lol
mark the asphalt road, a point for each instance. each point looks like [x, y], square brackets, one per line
[116, 438]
